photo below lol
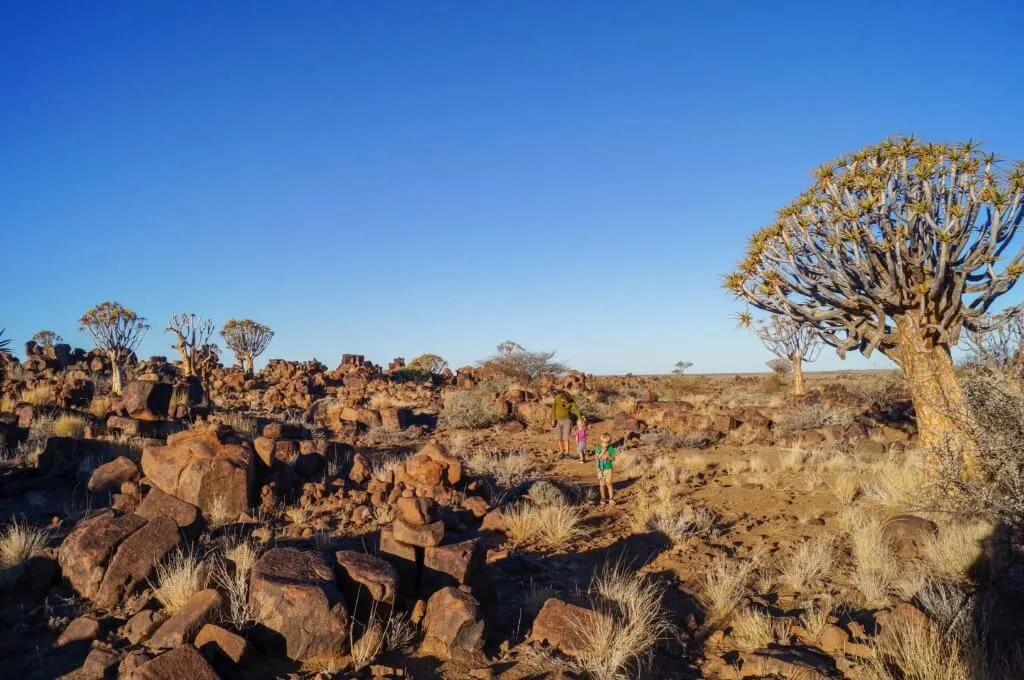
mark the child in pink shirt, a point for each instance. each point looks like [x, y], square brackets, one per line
[581, 439]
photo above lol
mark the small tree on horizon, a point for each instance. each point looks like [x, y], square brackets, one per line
[247, 339]
[896, 247]
[682, 367]
[117, 330]
[47, 338]
[787, 339]
[191, 332]
[429, 364]
[516, 362]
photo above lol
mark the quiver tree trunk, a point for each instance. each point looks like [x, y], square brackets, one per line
[186, 358]
[117, 373]
[798, 373]
[939, 402]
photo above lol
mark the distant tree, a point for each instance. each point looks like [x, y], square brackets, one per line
[897, 247]
[518, 363]
[247, 339]
[117, 330]
[682, 366]
[190, 333]
[47, 339]
[787, 339]
[780, 366]
[430, 364]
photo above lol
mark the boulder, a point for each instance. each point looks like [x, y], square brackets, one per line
[402, 557]
[910, 533]
[365, 575]
[180, 663]
[183, 625]
[452, 626]
[361, 469]
[157, 503]
[107, 478]
[82, 629]
[145, 400]
[561, 625]
[295, 594]
[142, 625]
[416, 510]
[418, 534]
[454, 564]
[85, 552]
[135, 559]
[222, 648]
[99, 664]
[205, 467]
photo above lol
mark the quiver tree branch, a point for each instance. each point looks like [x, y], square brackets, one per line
[117, 330]
[896, 248]
[247, 339]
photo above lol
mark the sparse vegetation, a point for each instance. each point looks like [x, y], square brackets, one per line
[549, 526]
[515, 362]
[723, 587]
[247, 339]
[178, 578]
[67, 425]
[117, 330]
[18, 542]
[471, 409]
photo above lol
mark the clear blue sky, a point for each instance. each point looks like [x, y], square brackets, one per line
[391, 178]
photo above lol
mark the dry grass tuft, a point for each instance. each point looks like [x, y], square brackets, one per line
[551, 526]
[244, 425]
[911, 651]
[631, 621]
[896, 484]
[99, 407]
[876, 566]
[844, 487]
[956, 548]
[816, 615]
[508, 470]
[178, 579]
[723, 586]
[812, 560]
[219, 512]
[69, 426]
[752, 629]
[18, 542]
[40, 395]
[232, 575]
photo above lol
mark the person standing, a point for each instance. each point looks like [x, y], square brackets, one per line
[604, 459]
[562, 412]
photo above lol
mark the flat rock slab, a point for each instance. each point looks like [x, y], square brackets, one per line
[85, 552]
[135, 559]
[181, 663]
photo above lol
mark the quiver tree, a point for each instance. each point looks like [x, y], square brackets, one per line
[117, 331]
[46, 339]
[247, 339]
[190, 334]
[787, 339]
[896, 248]
[428, 364]
[997, 342]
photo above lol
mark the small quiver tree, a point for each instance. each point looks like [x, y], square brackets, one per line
[117, 330]
[46, 339]
[787, 339]
[428, 364]
[190, 334]
[247, 339]
[897, 247]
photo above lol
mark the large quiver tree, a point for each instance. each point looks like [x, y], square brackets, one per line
[247, 339]
[788, 339]
[895, 248]
[117, 330]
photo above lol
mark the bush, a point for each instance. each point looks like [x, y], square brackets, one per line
[69, 426]
[551, 526]
[813, 417]
[518, 363]
[780, 366]
[178, 579]
[470, 409]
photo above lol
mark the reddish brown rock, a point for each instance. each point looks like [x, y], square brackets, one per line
[452, 626]
[222, 648]
[294, 592]
[183, 625]
[204, 467]
[402, 557]
[360, 471]
[264, 449]
[476, 505]
[561, 625]
[423, 470]
[82, 629]
[366, 576]
[100, 664]
[142, 625]
[181, 663]
[135, 559]
[85, 552]
[455, 564]
[418, 534]
[147, 400]
[159, 504]
[110, 476]
[910, 533]
[416, 510]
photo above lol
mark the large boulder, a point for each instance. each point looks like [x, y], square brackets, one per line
[157, 503]
[563, 626]
[208, 467]
[452, 626]
[107, 478]
[87, 549]
[294, 593]
[135, 559]
[146, 400]
[367, 581]
[182, 627]
[178, 664]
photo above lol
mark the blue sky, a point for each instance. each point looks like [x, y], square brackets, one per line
[391, 178]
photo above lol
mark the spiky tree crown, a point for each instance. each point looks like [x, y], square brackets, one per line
[246, 337]
[190, 328]
[47, 339]
[114, 327]
[895, 228]
[784, 337]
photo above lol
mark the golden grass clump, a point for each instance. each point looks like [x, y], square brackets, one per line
[723, 587]
[876, 565]
[69, 426]
[232, 575]
[18, 542]
[957, 547]
[99, 407]
[812, 560]
[178, 579]
[40, 395]
[630, 622]
[551, 526]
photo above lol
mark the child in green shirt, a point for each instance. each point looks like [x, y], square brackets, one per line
[604, 457]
